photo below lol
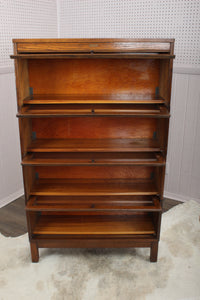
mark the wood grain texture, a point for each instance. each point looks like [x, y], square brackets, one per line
[94, 159]
[47, 241]
[21, 77]
[154, 251]
[112, 98]
[94, 225]
[94, 204]
[103, 76]
[13, 219]
[95, 172]
[34, 251]
[97, 45]
[94, 145]
[58, 131]
[94, 128]
[59, 110]
[92, 187]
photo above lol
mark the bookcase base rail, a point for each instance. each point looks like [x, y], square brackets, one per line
[151, 243]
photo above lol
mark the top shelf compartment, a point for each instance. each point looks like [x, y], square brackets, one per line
[52, 74]
[99, 46]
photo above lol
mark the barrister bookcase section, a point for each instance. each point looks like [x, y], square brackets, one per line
[93, 120]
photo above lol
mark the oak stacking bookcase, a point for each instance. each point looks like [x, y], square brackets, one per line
[93, 120]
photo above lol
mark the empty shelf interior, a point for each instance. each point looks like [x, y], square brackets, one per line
[94, 225]
[94, 145]
[96, 187]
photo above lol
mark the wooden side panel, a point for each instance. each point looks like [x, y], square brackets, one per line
[100, 76]
[22, 80]
[162, 134]
[165, 79]
[25, 128]
[94, 127]
[29, 177]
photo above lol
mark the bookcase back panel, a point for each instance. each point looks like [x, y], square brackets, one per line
[94, 127]
[93, 76]
[95, 172]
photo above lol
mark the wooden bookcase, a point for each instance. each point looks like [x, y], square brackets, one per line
[93, 119]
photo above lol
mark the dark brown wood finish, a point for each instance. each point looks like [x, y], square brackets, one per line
[13, 218]
[93, 139]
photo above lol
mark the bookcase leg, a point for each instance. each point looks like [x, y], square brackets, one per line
[34, 252]
[154, 252]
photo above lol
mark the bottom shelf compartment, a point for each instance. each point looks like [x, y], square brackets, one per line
[87, 225]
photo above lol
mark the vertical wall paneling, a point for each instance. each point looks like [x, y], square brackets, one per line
[190, 136]
[10, 170]
[18, 19]
[177, 19]
[183, 178]
[176, 138]
[195, 153]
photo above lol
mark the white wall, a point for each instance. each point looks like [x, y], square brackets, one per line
[18, 19]
[177, 19]
[183, 178]
[10, 170]
[109, 18]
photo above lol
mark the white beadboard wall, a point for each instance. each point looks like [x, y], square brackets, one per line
[177, 19]
[183, 167]
[18, 19]
[11, 186]
[109, 18]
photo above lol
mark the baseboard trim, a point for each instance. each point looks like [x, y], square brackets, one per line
[179, 197]
[12, 197]
[6, 70]
[186, 69]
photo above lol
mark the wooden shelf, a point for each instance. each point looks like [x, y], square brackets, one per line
[94, 204]
[53, 110]
[95, 99]
[94, 145]
[94, 225]
[94, 55]
[88, 159]
[92, 187]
